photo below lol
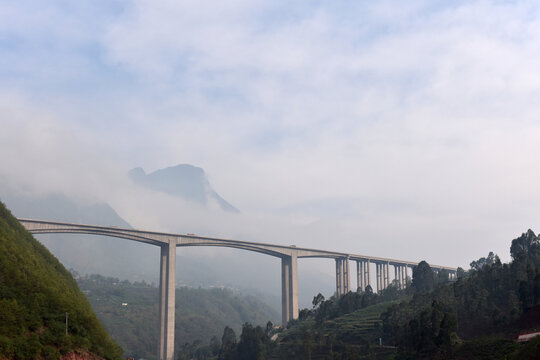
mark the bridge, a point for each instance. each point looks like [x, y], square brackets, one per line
[289, 256]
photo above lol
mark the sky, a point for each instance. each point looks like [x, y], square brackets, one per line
[408, 130]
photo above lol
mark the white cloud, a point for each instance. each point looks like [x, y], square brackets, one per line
[424, 114]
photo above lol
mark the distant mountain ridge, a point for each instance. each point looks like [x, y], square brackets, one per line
[86, 253]
[134, 261]
[116, 256]
[184, 181]
[58, 207]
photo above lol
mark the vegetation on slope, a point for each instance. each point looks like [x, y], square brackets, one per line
[36, 292]
[477, 317]
[485, 307]
[129, 311]
[333, 328]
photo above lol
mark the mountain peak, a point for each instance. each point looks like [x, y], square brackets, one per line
[184, 180]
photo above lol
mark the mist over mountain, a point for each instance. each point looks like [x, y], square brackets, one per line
[133, 261]
[85, 253]
[185, 181]
[58, 207]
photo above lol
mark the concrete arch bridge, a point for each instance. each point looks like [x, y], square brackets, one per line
[289, 256]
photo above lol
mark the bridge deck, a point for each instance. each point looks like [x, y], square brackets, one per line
[161, 238]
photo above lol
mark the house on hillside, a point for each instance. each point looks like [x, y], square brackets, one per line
[528, 336]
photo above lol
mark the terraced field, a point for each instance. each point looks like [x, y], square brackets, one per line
[358, 327]
[356, 335]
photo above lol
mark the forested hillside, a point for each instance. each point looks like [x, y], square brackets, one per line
[129, 311]
[479, 316]
[36, 292]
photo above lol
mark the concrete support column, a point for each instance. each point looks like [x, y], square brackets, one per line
[339, 277]
[346, 277]
[359, 275]
[383, 275]
[398, 276]
[382, 280]
[362, 274]
[285, 294]
[378, 276]
[387, 275]
[289, 289]
[343, 282]
[293, 284]
[406, 273]
[167, 275]
[368, 278]
[404, 276]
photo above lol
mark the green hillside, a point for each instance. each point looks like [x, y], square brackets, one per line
[352, 333]
[129, 311]
[36, 292]
[364, 325]
[479, 317]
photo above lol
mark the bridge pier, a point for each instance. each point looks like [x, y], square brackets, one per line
[378, 276]
[382, 275]
[343, 281]
[362, 274]
[399, 276]
[289, 289]
[386, 275]
[339, 277]
[167, 275]
[367, 277]
[346, 276]
[405, 275]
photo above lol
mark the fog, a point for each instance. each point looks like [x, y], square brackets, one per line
[407, 131]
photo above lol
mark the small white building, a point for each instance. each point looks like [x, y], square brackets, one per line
[527, 337]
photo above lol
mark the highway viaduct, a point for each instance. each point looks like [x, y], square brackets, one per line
[289, 256]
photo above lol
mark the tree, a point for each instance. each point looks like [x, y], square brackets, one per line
[423, 278]
[461, 273]
[480, 263]
[307, 341]
[228, 344]
[442, 276]
[524, 244]
[253, 344]
[269, 329]
[317, 300]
